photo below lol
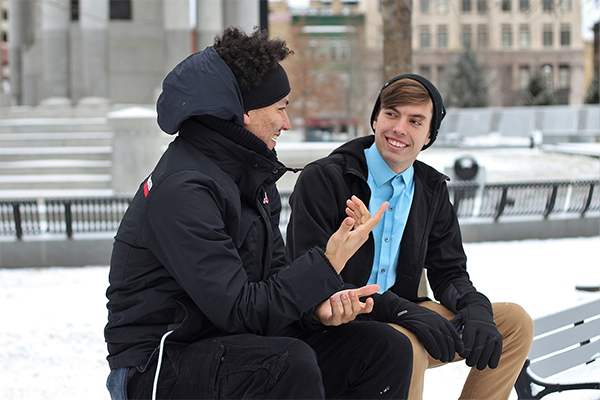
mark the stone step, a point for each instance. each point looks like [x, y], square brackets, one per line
[10, 154]
[34, 125]
[54, 193]
[59, 181]
[56, 139]
[53, 166]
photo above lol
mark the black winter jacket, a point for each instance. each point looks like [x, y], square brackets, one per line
[199, 249]
[431, 239]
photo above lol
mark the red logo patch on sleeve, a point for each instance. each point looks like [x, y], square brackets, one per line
[147, 186]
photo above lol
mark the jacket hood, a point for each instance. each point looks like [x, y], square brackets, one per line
[202, 84]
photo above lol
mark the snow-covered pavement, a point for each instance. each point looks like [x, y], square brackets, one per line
[52, 345]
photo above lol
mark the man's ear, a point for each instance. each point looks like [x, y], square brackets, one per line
[246, 118]
[428, 137]
[374, 123]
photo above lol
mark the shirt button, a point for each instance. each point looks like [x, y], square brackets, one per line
[387, 240]
[382, 269]
[392, 208]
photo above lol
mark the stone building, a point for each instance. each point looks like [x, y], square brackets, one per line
[93, 52]
[512, 38]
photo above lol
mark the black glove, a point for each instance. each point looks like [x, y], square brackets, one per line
[435, 332]
[482, 341]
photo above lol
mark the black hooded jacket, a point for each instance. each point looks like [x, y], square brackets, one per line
[431, 239]
[199, 249]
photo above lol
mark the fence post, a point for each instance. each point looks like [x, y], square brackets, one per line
[551, 201]
[502, 203]
[68, 219]
[588, 201]
[17, 215]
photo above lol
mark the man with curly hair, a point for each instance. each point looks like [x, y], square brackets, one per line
[201, 301]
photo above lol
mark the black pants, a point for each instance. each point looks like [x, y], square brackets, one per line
[356, 360]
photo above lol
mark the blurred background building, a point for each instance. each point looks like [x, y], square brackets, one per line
[78, 52]
[339, 50]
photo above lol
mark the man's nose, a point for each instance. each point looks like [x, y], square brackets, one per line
[286, 122]
[400, 126]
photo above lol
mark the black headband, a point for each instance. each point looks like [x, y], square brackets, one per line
[273, 87]
[439, 112]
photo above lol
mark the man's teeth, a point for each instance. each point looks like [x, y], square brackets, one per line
[396, 144]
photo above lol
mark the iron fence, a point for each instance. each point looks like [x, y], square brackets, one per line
[71, 215]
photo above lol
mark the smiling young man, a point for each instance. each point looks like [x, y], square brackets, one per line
[200, 295]
[419, 231]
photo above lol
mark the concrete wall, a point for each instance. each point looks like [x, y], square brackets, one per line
[95, 249]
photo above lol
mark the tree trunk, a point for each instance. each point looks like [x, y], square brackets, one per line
[397, 37]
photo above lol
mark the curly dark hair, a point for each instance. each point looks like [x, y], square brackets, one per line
[250, 56]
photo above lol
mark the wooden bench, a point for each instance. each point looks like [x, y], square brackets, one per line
[561, 341]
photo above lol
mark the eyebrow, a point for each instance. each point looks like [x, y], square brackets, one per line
[421, 116]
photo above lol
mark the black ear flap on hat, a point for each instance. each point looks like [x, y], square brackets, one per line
[439, 112]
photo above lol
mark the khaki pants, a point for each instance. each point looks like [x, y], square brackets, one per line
[516, 327]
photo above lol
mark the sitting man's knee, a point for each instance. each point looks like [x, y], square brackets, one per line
[518, 320]
[302, 359]
[396, 348]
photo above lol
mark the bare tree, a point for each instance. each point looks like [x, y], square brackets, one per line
[397, 37]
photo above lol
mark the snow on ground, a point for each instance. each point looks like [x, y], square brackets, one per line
[52, 345]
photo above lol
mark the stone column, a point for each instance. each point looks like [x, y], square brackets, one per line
[242, 13]
[178, 32]
[55, 20]
[209, 21]
[15, 49]
[93, 20]
[138, 144]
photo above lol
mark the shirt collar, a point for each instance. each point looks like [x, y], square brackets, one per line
[381, 171]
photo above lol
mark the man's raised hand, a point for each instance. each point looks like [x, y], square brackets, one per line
[352, 233]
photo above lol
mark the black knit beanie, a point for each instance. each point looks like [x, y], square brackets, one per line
[273, 87]
[439, 112]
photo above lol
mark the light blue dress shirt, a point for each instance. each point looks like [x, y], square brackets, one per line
[398, 189]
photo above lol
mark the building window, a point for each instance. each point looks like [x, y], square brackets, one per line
[425, 37]
[482, 6]
[548, 35]
[425, 70]
[425, 6]
[74, 10]
[506, 5]
[564, 77]
[548, 75]
[466, 5]
[547, 5]
[120, 9]
[506, 35]
[524, 37]
[442, 36]
[441, 74]
[524, 5]
[467, 36]
[482, 36]
[565, 35]
[334, 51]
[442, 6]
[524, 76]
[566, 5]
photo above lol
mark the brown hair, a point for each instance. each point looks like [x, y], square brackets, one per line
[402, 92]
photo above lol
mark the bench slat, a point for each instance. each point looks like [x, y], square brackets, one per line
[566, 317]
[566, 360]
[563, 339]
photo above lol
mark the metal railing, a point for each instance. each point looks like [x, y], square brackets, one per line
[69, 215]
